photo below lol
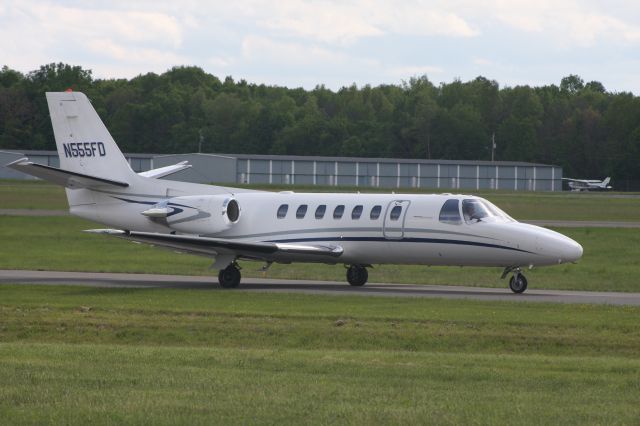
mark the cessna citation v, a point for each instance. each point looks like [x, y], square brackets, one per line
[230, 224]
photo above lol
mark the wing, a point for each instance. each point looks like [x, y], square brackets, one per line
[62, 177]
[221, 246]
[165, 171]
[576, 180]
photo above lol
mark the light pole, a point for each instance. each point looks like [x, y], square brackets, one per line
[493, 146]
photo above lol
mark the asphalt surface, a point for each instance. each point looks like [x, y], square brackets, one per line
[112, 280]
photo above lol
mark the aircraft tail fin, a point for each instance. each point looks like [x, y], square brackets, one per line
[606, 181]
[83, 142]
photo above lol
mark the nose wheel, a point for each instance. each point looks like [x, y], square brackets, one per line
[518, 282]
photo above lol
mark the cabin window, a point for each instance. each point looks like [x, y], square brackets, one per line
[375, 212]
[338, 212]
[473, 211]
[356, 212]
[320, 211]
[450, 212]
[395, 213]
[282, 211]
[302, 210]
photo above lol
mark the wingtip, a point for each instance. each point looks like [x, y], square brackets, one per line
[18, 162]
[105, 231]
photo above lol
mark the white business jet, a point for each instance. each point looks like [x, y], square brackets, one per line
[588, 184]
[231, 224]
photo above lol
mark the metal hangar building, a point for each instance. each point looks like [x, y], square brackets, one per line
[392, 173]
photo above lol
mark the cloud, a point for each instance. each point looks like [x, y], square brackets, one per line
[330, 42]
[341, 23]
[259, 49]
[130, 26]
[569, 22]
[220, 62]
[482, 61]
[150, 57]
[411, 70]
[35, 33]
[409, 18]
[345, 22]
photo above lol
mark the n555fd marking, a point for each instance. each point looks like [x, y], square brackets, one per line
[84, 149]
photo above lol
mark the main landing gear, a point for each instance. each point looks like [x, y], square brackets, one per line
[357, 275]
[518, 282]
[229, 277]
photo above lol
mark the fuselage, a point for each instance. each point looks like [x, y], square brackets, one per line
[371, 228]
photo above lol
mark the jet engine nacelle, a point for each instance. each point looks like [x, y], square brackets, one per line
[197, 214]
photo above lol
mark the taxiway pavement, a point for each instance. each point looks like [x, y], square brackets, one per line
[117, 280]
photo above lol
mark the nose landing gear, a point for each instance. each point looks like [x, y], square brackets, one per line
[518, 282]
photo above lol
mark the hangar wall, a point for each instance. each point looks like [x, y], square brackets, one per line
[335, 171]
[398, 173]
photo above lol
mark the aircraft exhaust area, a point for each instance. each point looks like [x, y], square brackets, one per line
[120, 280]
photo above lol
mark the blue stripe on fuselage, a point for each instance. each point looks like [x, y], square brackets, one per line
[404, 240]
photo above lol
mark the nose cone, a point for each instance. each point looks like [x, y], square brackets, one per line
[572, 251]
[551, 247]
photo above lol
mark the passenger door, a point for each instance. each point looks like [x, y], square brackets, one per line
[394, 216]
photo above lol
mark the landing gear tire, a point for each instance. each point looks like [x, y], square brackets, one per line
[229, 277]
[518, 283]
[357, 275]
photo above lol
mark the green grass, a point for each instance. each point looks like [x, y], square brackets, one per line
[58, 243]
[15, 194]
[566, 206]
[521, 205]
[79, 355]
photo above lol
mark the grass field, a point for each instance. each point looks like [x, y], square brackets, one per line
[77, 355]
[58, 243]
[521, 205]
[31, 194]
[157, 356]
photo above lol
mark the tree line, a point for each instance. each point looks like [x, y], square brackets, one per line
[580, 126]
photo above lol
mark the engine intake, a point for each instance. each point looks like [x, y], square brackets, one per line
[197, 214]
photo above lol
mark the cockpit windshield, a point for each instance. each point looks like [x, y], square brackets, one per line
[477, 209]
[474, 210]
[497, 211]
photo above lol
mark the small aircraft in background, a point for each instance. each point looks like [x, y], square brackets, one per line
[588, 184]
[231, 224]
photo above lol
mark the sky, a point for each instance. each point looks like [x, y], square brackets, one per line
[333, 43]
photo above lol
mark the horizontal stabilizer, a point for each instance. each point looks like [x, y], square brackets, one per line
[62, 177]
[216, 246]
[165, 171]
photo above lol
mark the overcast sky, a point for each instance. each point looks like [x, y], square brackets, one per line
[335, 43]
